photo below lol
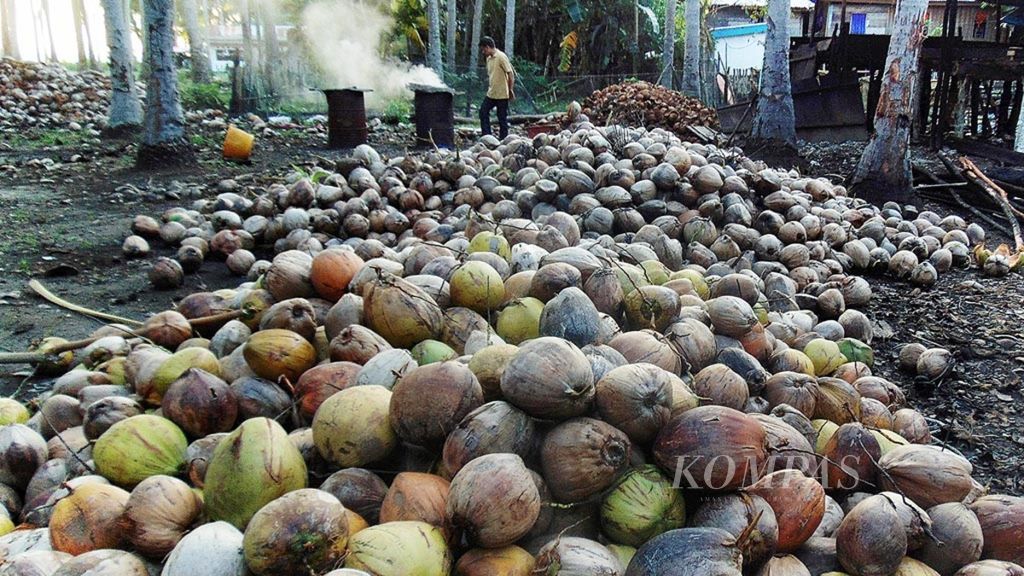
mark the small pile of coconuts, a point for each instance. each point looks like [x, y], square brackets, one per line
[560, 356]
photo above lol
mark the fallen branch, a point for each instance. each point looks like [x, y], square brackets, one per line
[41, 290]
[942, 184]
[977, 177]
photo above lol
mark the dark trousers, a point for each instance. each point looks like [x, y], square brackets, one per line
[485, 116]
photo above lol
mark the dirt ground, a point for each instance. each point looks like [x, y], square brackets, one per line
[64, 212]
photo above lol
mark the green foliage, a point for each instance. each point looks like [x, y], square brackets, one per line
[202, 96]
[397, 111]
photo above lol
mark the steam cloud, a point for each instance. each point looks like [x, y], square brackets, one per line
[344, 36]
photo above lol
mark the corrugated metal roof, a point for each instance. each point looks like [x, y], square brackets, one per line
[793, 4]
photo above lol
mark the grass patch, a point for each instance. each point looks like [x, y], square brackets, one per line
[39, 139]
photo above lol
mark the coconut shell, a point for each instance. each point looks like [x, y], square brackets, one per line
[22, 452]
[957, 527]
[489, 364]
[352, 427]
[494, 428]
[400, 549]
[637, 399]
[928, 475]
[694, 341]
[507, 561]
[454, 392]
[742, 515]
[851, 455]
[721, 386]
[787, 447]
[1002, 523]
[158, 514]
[139, 447]
[572, 316]
[103, 562]
[305, 530]
[357, 344]
[493, 500]
[253, 466]
[650, 347]
[991, 568]
[277, 353]
[572, 556]
[582, 457]
[416, 496]
[359, 490]
[641, 505]
[688, 552]
[713, 447]
[200, 404]
[793, 388]
[871, 540]
[798, 503]
[320, 383]
[400, 312]
[836, 401]
[213, 549]
[549, 378]
[784, 565]
[88, 519]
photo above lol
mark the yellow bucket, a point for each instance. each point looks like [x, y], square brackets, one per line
[237, 144]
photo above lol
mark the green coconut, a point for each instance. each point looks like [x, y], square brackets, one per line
[489, 364]
[352, 427]
[825, 355]
[655, 272]
[856, 351]
[825, 429]
[172, 368]
[487, 241]
[404, 548]
[888, 440]
[642, 505]
[252, 466]
[304, 531]
[695, 278]
[630, 277]
[12, 412]
[431, 351]
[520, 320]
[138, 447]
[478, 286]
[401, 312]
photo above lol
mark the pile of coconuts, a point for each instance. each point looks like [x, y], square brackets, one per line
[564, 356]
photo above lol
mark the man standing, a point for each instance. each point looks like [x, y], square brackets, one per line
[500, 83]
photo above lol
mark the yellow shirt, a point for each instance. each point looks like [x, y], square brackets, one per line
[498, 67]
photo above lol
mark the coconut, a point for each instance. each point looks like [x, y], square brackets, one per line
[489, 364]
[34, 563]
[851, 455]
[385, 368]
[650, 347]
[352, 427]
[507, 561]
[582, 457]
[320, 383]
[400, 312]
[357, 344]
[295, 314]
[197, 457]
[417, 496]
[798, 503]
[837, 401]
[912, 425]
[519, 320]
[958, 529]
[494, 500]
[640, 506]
[605, 291]
[400, 549]
[1002, 524]
[289, 275]
[454, 392]
[477, 286]
[731, 316]
[331, 271]
[305, 530]
[88, 519]
[795, 389]
[139, 447]
[571, 315]
[748, 518]
[213, 549]
[158, 514]
[103, 562]
[168, 329]
[722, 386]
[22, 451]
[991, 568]
[254, 465]
[277, 353]
[637, 399]
[200, 403]
[360, 491]
[495, 427]
[571, 556]
[549, 378]
[688, 552]
[825, 355]
[718, 447]
[257, 397]
[693, 341]
[928, 475]
[871, 539]
[653, 307]
[152, 389]
[784, 565]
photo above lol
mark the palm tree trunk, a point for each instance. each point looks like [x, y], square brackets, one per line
[271, 50]
[774, 119]
[451, 26]
[78, 17]
[49, 30]
[88, 34]
[884, 171]
[199, 54]
[434, 36]
[510, 27]
[125, 112]
[10, 29]
[668, 50]
[163, 126]
[691, 54]
[474, 49]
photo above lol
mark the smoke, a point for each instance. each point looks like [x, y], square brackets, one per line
[344, 36]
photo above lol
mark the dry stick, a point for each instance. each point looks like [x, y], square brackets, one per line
[957, 196]
[41, 290]
[975, 175]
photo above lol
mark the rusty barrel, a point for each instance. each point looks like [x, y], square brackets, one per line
[346, 117]
[435, 116]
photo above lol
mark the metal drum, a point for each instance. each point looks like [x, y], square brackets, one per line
[346, 117]
[435, 116]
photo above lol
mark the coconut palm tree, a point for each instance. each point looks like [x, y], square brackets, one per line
[510, 27]
[668, 51]
[774, 119]
[125, 112]
[691, 54]
[198, 51]
[163, 128]
[434, 37]
[474, 49]
[450, 28]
